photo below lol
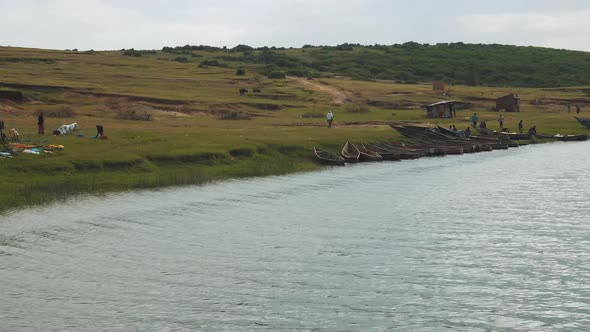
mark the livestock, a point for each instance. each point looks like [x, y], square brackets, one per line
[13, 135]
[68, 129]
[243, 91]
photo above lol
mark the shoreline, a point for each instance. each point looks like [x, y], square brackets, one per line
[173, 173]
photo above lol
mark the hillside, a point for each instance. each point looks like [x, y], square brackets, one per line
[455, 63]
[176, 116]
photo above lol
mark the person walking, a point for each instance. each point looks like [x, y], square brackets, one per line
[520, 126]
[474, 119]
[501, 121]
[330, 118]
[41, 124]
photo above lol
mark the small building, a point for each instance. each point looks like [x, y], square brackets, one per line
[441, 109]
[439, 86]
[509, 103]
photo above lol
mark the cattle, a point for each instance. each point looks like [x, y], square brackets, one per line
[256, 90]
[243, 91]
[13, 135]
[68, 129]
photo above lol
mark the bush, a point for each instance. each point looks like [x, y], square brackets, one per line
[234, 115]
[357, 108]
[241, 71]
[276, 75]
[182, 59]
[312, 115]
[131, 114]
[64, 112]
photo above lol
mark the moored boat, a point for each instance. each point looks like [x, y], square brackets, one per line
[387, 154]
[327, 157]
[350, 153]
[515, 136]
[368, 155]
[565, 138]
[583, 121]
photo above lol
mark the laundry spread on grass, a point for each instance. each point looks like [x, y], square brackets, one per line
[16, 148]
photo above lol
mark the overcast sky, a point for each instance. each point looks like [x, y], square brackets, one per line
[150, 24]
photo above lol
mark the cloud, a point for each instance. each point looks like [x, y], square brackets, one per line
[565, 29]
[151, 24]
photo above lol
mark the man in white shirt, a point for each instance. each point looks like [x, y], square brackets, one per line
[329, 118]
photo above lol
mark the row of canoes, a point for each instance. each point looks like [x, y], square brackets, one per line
[430, 141]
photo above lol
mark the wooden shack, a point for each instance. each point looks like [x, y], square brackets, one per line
[439, 86]
[509, 103]
[441, 109]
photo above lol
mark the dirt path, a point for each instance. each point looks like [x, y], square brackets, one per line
[338, 96]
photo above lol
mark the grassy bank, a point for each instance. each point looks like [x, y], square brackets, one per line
[200, 129]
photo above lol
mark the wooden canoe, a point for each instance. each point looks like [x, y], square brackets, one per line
[565, 138]
[328, 158]
[583, 121]
[368, 155]
[387, 154]
[350, 153]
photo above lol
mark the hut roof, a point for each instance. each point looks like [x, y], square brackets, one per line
[443, 102]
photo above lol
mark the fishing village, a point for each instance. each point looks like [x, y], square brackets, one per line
[294, 165]
[93, 122]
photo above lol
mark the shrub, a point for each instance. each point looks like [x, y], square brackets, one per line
[207, 63]
[241, 71]
[131, 114]
[182, 59]
[64, 112]
[276, 75]
[312, 115]
[357, 108]
[234, 115]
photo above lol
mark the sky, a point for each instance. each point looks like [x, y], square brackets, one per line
[150, 24]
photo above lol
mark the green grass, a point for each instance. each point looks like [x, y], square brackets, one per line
[187, 142]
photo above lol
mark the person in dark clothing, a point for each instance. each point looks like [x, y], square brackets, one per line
[520, 126]
[533, 130]
[41, 124]
[99, 131]
[577, 109]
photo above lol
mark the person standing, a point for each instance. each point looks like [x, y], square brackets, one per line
[474, 119]
[41, 124]
[330, 118]
[577, 109]
[520, 126]
[99, 131]
[501, 121]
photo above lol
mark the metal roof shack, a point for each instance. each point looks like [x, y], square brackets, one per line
[509, 103]
[441, 109]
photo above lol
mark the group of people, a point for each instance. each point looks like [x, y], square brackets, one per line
[13, 134]
[482, 124]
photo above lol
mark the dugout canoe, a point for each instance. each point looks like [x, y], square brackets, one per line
[583, 121]
[328, 158]
[368, 155]
[350, 153]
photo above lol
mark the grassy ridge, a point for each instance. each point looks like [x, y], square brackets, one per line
[187, 141]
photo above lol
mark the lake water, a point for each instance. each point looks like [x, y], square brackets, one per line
[489, 241]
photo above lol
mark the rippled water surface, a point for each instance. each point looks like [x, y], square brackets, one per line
[490, 241]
